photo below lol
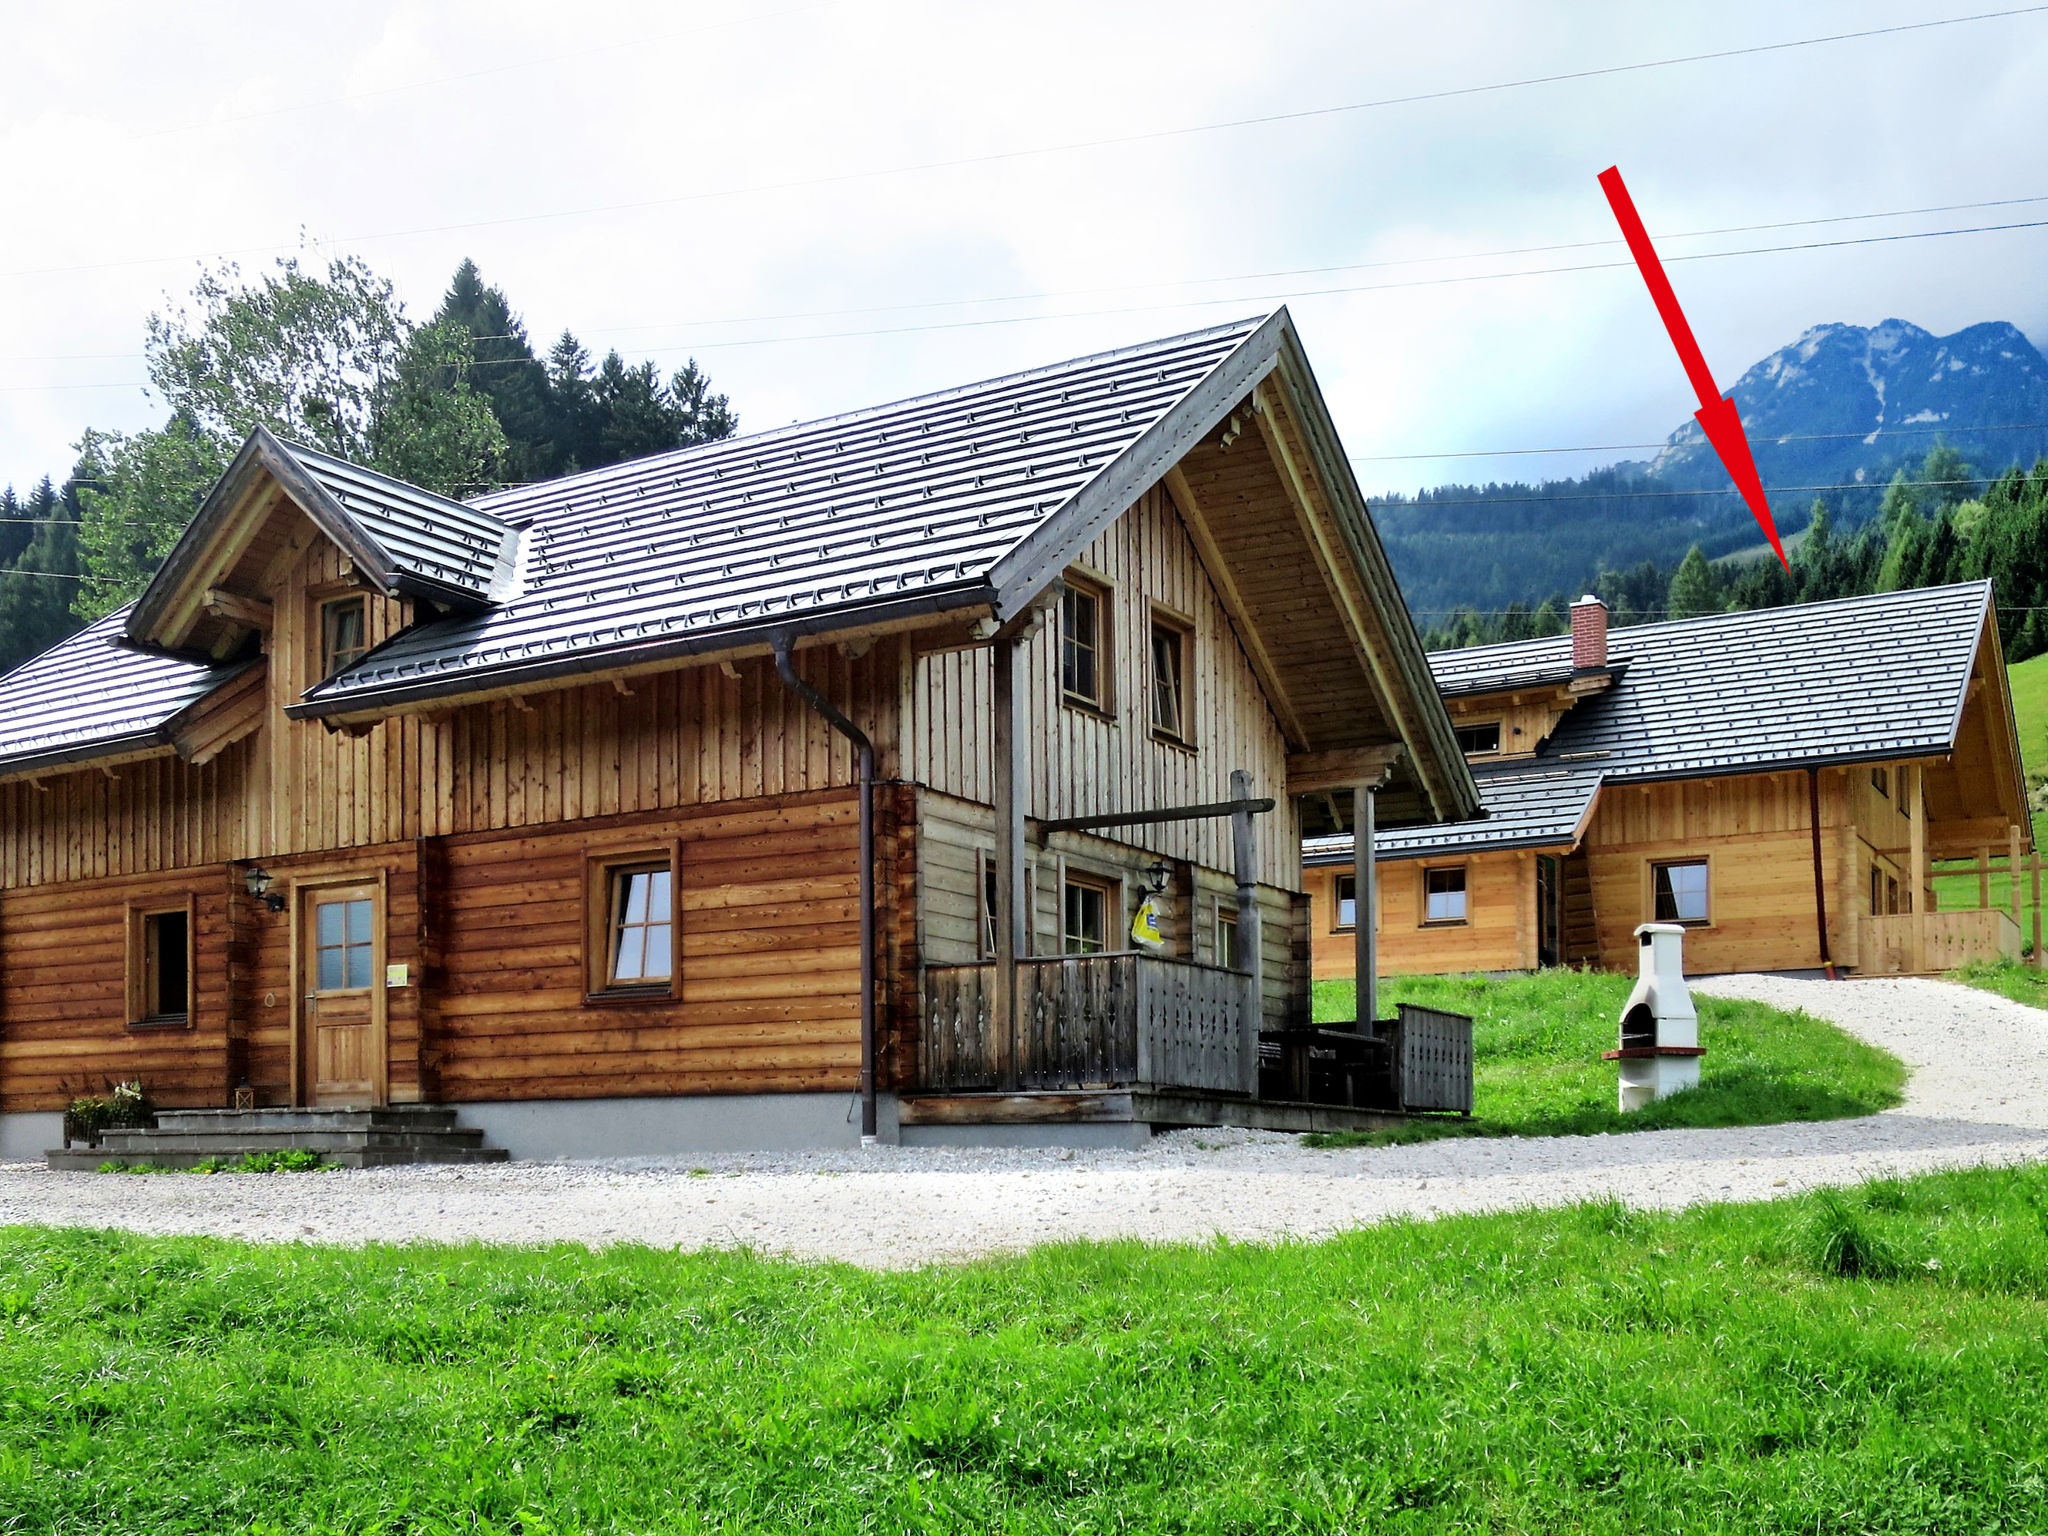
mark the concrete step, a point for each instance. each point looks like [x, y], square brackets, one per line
[88, 1160]
[411, 1117]
[204, 1142]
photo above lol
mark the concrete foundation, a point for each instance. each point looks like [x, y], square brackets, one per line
[670, 1127]
[25, 1137]
[1120, 1135]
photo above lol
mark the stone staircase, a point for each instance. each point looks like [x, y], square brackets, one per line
[345, 1138]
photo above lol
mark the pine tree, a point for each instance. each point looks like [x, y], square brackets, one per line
[505, 372]
[1694, 592]
[35, 595]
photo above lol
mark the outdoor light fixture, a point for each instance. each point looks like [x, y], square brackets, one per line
[258, 882]
[1156, 876]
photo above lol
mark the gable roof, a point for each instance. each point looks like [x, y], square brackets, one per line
[967, 498]
[401, 539]
[1861, 679]
[93, 696]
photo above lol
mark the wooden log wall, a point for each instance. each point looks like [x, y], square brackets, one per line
[64, 1027]
[1499, 933]
[1081, 763]
[768, 945]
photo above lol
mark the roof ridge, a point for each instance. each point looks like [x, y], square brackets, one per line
[486, 502]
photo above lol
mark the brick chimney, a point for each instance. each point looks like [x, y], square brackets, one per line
[1589, 633]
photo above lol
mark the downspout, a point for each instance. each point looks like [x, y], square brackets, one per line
[1820, 884]
[864, 770]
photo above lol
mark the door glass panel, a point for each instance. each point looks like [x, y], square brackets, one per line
[344, 944]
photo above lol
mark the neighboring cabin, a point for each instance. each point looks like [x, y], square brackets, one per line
[654, 807]
[1672, 773]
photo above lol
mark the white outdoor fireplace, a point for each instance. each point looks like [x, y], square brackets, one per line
[1660, 1031]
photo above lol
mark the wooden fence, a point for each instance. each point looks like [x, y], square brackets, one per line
[1952, 939]
[1433, 1060]
[1087, 1021]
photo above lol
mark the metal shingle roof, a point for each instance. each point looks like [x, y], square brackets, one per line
[448, 543]
[919, 499]
[89, 696]
[1860, 679]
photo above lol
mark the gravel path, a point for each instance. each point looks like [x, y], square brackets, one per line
[1979, 1094]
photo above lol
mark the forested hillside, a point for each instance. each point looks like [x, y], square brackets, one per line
[328, 358]
[1837, 413]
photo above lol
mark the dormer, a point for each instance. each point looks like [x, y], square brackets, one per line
[395, 543]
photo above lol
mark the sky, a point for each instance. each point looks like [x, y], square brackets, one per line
[838, 203]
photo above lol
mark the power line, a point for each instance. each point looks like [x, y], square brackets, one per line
[1069, 146]
[1799, 437]
[1231, 300]
[1185, 282]
[1426, 502]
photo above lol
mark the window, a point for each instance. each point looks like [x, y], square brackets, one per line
[1084, 644]
[1881, 781]
[1478, 740]
[1226, 939]
[1891, 896]
[344, 945]
[344, 636]
[1679, 891]
[632, 937]
[1443, 895]
[1347, 902]
[988, 907]
[1085, 915]
[1876, 891]
[160, 966]
[1169, 679]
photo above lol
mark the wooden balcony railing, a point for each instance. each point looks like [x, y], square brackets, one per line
[1089, 1021]
[1952, 939]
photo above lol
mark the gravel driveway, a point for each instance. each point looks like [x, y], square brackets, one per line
[1978, 1094]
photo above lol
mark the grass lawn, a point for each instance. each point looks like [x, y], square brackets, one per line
[1536, 1044]
[1863, 1361]
[2021, 983]
[2029, 681]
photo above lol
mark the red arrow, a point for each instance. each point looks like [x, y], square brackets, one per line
[1717, 415]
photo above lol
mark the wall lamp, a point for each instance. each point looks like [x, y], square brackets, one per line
[257, 880]
[1157, 876]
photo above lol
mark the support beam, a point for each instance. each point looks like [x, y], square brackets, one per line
[1211, 811]
[2040, 959]
[1365, 910]
[2012, 865]
[1916, 808]
[255, 612]
[1251, 950]
[1310, 772]
[1010, 727]
[1820, 884]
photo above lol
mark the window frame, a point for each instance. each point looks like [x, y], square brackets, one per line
[1226, 921]
[1499, 728]
[1881, 779]
[140, 983]
[324, 607]
[1337, 923]
[1463, 870]
[603, 867]
[1111, 890]
[1167, 622]
[1103, 704]
[1650, 868]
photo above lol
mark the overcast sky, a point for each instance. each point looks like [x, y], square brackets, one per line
[743, 183]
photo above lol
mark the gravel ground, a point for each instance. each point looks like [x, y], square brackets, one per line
[1978, 1094]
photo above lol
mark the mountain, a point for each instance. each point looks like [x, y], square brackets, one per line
[1842, 407]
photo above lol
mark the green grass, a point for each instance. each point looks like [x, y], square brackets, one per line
[1536, 1044]
[290, 1160]
[2008, 978]
[1862, 1361]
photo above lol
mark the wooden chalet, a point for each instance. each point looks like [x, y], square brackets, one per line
[768, 792]
[1781, 782]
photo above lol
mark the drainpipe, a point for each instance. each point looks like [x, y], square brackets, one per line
[864, 770]
[1820, 884]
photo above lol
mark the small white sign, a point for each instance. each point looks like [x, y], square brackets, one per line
[397, 975]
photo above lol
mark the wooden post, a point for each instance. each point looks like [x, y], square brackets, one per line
[1251, 951]
[2040, 959]
[1365, 912]
[1010, 727]
[2012, 866]
[1820, 884]
[1983, 879]
[1916, 809]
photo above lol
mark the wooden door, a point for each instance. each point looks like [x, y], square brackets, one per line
[341, 1058]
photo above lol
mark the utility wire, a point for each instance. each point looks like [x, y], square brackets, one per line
[1797, 437]
[1427, 502]
[1185, 282]
[1232, 300]
[1072, 146]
